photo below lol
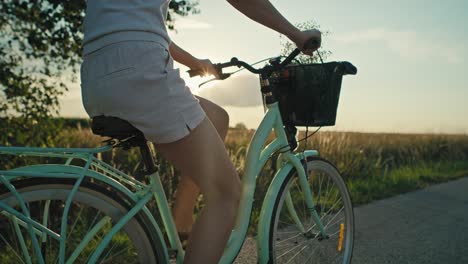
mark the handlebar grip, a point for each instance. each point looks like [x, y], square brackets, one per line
[348, 68]
[290, 57]
[312, 43]
[195, 72]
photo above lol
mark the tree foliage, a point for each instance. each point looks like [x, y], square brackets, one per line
[40, 48]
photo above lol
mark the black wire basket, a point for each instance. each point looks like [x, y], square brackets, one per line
[308, 94]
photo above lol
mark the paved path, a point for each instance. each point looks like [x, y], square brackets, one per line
[424, 226]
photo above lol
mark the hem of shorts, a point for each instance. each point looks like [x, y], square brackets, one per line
[192, 124]
[121, 36]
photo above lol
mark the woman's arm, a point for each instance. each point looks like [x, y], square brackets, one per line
[263, 12]
[185, 58]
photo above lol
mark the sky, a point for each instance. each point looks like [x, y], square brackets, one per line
[412, 60]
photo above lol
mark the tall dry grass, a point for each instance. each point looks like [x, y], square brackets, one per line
[357, 155]
[373, 165]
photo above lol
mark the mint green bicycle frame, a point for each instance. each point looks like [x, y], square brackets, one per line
[257, 156]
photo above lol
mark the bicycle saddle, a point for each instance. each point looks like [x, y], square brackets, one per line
[114, 127]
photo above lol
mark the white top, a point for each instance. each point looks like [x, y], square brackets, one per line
[112, 21]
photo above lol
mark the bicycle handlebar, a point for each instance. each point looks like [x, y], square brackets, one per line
[275, 64]
[310, 44]
[219, 66]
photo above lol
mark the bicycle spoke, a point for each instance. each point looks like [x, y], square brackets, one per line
[311, 246]
[129, 245]
[310, 256]
[108, 252]
[304, 207]
[298, 245]
[323, 202]
[287, 223]
[74, 224]
[299, 234]
[117, 254]
[336, 222]
[302, 249]
[286, 240]
[286, 232]
[93, 223]
[320, 189]
[12, 249]
[335, 215]
[334, 233]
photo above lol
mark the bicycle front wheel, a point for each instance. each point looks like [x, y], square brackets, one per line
[93, 212]
[295, 234]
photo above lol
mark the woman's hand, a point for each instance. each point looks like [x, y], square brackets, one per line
[207, 67]
[302, 37]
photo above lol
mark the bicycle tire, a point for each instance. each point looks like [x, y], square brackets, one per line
[143, 236]
[294, 242]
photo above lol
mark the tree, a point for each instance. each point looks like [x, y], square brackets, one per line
[240, 126]
[40, 48]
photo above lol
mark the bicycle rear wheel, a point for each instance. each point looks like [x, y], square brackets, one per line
[92, 205]
[295, 237]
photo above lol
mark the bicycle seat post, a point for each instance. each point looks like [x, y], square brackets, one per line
[127, 136]
[148, 159]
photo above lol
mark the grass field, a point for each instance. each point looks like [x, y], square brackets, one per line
[374, 165]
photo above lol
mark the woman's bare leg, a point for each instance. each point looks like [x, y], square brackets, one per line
[203, 157]
[187, 191]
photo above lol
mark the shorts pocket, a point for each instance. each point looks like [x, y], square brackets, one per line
[117, 73]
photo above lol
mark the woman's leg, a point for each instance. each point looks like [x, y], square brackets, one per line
[203, 157]
[187, 191]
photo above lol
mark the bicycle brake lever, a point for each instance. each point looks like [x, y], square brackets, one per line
[224, 76]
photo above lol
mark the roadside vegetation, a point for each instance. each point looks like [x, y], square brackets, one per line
[375, 166]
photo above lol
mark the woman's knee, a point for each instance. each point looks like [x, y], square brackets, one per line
[220, 119]
[223, 116]
[206, 161]
[217, 115]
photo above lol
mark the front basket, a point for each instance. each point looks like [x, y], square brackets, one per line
[308, 95]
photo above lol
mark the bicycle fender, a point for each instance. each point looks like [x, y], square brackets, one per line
[264, 221]
[70, 171]
[63, 171]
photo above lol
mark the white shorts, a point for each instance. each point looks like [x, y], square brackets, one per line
[136, 81]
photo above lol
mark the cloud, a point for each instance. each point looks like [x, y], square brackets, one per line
[240, 91]
[188, 23]
[407, 44]
[72, 107]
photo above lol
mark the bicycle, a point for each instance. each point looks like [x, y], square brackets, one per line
[307, 205]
